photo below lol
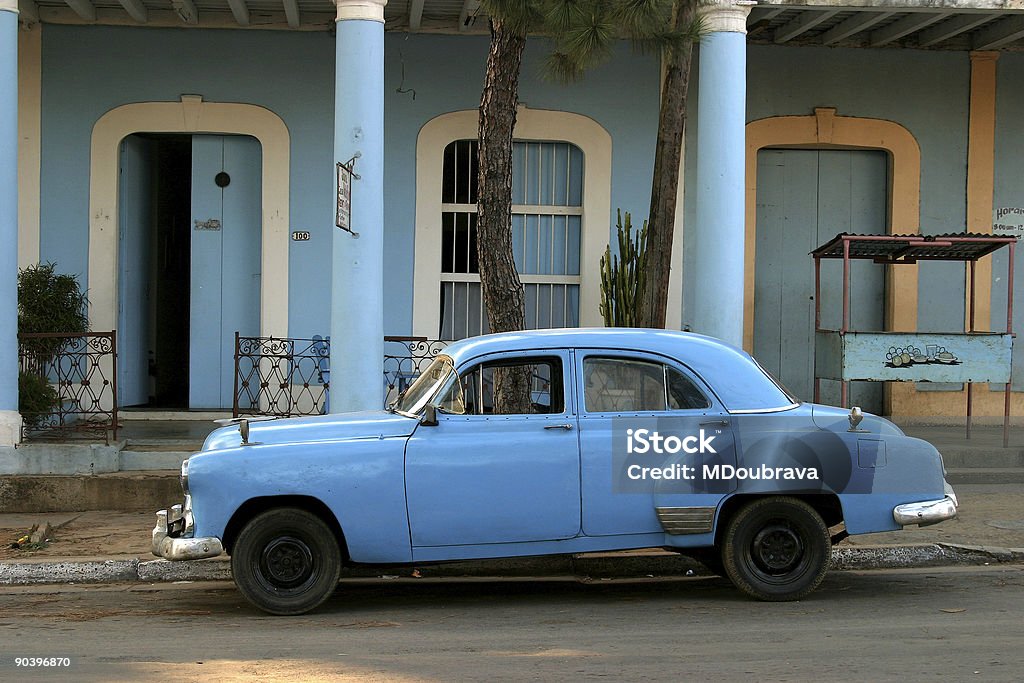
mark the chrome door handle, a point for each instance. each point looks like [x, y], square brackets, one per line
[565, 426]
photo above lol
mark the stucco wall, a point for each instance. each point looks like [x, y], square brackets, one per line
[1009, 192]
[88, 71]
[925, 92]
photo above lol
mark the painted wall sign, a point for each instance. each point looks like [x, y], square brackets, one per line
[211, 224]
[913, 356]
[300, 235]
[1008, 220]
[345, 175]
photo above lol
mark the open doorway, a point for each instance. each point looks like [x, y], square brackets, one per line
[189, 266]
[155, 246]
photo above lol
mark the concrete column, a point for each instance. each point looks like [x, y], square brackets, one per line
[718, 237]
[357, 281]
[10, 420]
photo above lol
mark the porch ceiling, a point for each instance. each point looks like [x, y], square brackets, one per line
[925, 24]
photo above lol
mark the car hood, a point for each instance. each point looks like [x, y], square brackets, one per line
[376, 424]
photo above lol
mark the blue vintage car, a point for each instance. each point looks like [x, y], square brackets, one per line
[550, 442]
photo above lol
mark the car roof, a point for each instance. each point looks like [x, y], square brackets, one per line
[740, 383]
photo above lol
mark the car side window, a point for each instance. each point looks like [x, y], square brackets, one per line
[683, 394]
[516, 387]
[614, 385]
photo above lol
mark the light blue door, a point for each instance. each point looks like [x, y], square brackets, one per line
[626, 393]
[482, 478]
[805, 198]
[134, 255]
[225, 275]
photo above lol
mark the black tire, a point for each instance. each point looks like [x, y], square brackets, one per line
[286, 561]
[776, 549]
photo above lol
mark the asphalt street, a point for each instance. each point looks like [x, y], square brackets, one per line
[901, 625]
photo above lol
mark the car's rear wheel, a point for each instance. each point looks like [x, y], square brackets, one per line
[776, 549]
[286, 561]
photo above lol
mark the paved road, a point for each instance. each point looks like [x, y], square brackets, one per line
[909, 625]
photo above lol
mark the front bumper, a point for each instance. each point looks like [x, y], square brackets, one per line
[177, 544]
[926, 512]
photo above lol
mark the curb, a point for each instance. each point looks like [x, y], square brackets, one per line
[605, 565]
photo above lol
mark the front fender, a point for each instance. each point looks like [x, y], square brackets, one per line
[360, 480]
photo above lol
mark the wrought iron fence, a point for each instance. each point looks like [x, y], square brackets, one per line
[287, 376]
[281, 376]
[68, 384]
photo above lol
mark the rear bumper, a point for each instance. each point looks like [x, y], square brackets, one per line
[926, 512]
[180, 547]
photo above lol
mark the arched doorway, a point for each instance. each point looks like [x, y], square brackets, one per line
[214, 133]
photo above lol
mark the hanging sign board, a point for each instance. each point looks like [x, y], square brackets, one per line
[1008, 220]
[345, 174]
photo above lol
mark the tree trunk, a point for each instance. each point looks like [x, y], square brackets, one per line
[664, 186]
[502, 290]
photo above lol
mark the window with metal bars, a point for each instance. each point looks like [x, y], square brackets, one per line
[547, 218]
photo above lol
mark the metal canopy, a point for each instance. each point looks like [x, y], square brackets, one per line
[963, 246]
[920, 24]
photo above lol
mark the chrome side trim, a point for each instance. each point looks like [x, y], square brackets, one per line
[182, 548]
[686, 520]
[764, 411]
[926, 512]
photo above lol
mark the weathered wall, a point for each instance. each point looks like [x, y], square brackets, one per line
[88, 71]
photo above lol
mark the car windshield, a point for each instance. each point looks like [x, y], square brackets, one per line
[437, 376]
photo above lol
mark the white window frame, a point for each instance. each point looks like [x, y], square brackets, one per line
[523, 210]
[534, 125]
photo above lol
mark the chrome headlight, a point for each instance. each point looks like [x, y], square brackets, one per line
[184, 476]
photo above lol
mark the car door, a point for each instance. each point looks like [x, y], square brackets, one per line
[491, 473]
[631, 406]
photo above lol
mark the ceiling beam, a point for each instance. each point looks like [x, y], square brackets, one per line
[759, 14]
[468, 14]
[83, 8]
[804, 22]
[186, 11]
[1006, 31]
[952, 28]
[852, 26]
[905, 26]
[136, 10]
[240, 10]
[291, 13]
[415, 15]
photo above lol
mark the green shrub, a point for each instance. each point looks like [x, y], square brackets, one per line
[48, 301]
[37, 398]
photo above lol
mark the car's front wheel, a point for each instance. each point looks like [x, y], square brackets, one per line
[286, 561]
[776, 549]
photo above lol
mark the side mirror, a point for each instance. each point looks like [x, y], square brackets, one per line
[429, 418]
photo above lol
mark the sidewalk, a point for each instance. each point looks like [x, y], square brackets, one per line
[100, 546]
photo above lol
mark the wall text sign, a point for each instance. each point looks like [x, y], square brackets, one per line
[1008, 220]
[345, 175]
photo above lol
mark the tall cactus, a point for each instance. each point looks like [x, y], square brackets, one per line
[623, 275]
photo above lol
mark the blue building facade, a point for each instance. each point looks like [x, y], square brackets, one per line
[186, 172]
